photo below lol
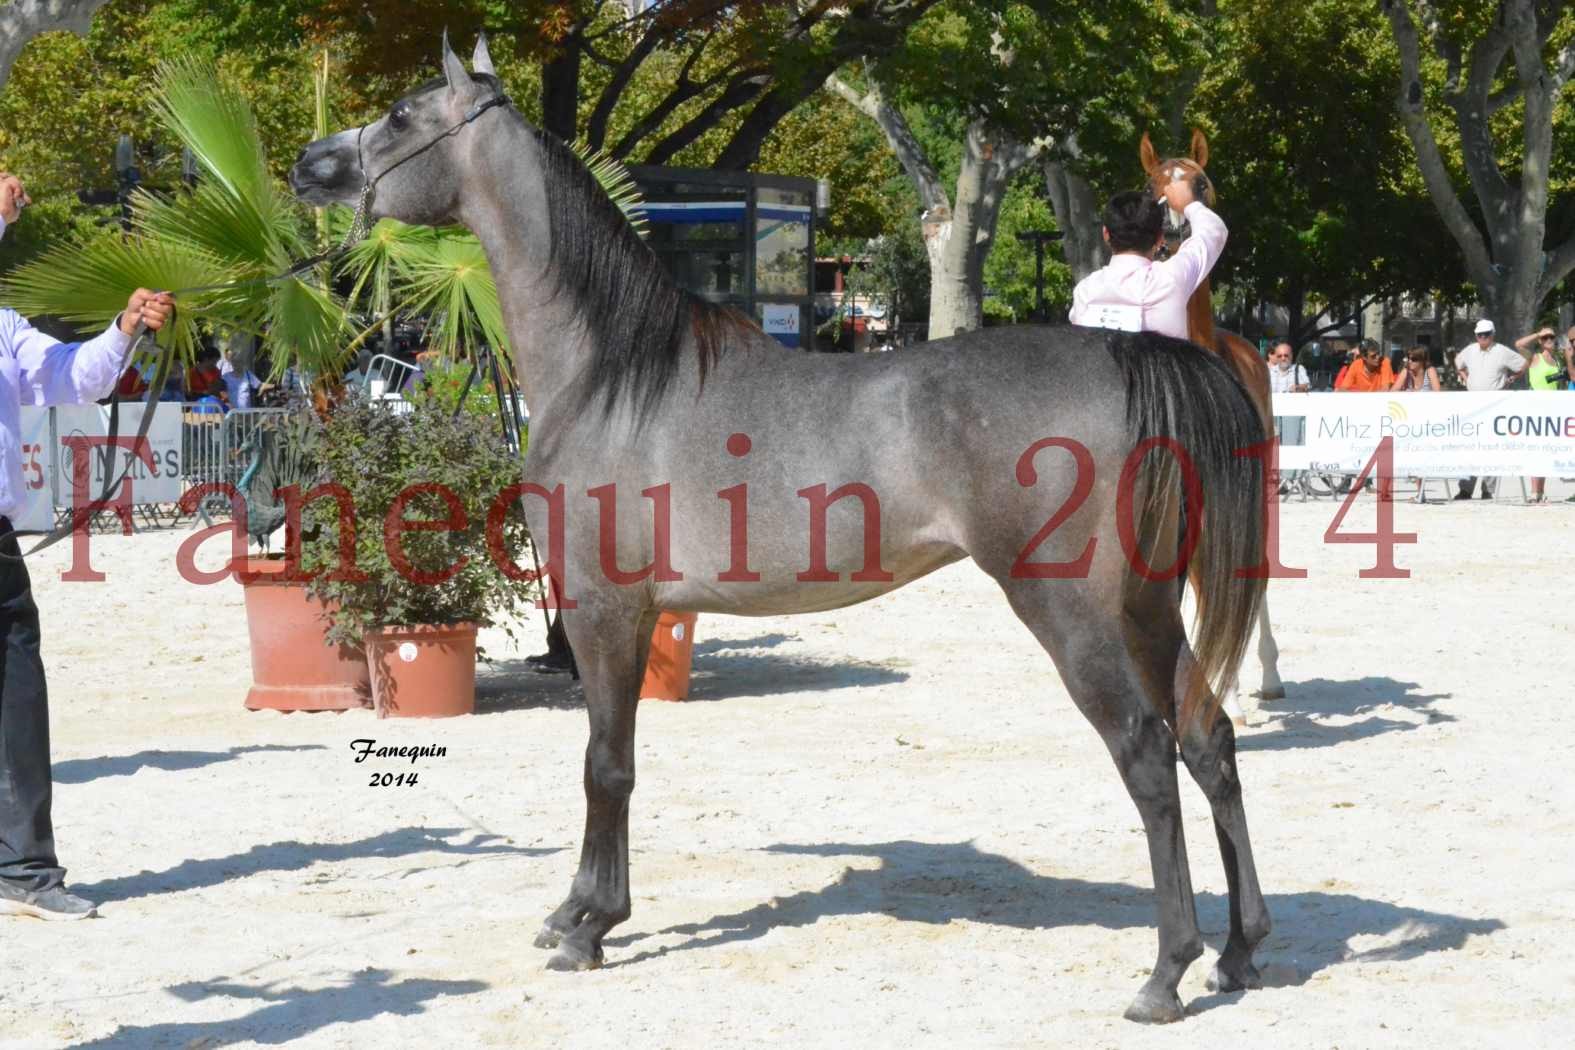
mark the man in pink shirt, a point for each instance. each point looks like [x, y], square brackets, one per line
[1133, 292]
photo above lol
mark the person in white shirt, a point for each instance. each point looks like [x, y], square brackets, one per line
[1285, 376]
[1288, 377]
[38, 370]
[1133, 292]
[240, 384]
[1486, 364]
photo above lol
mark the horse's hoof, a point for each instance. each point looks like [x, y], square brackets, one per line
[1155, 1008]
[1277, 693]
[1235, 977]
[548, 937]
[569, 959]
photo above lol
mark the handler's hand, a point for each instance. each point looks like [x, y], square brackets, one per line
[149, 308]
[1178, 194]
[12, 197]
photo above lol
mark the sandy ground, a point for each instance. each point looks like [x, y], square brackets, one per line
[885, 826]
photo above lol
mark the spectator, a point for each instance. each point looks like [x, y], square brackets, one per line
[240, 382]
[1544, 373]
[131, 384]
[356, 377]
[1369, 372]
[203, 378]
[1486, 365]
[1287, 377]
[1348, 354]
[173, 388]
[1416, 377]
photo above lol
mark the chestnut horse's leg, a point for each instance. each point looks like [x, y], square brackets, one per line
[611, 649]
[1242, 358]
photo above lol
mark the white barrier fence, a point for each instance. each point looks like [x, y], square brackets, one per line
[188, 443]
[1451, 434]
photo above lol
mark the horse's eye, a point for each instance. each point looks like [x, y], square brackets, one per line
[399, 117]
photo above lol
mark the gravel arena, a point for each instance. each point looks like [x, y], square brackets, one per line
[885, 826]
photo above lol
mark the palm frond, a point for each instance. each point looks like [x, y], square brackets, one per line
[88, 282]
[213, 119]
[615, 181]
[453, 282]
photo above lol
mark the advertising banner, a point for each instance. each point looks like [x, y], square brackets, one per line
[160, 483]
[37, 513]
[1436, 434]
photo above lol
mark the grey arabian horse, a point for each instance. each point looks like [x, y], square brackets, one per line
[671, 434]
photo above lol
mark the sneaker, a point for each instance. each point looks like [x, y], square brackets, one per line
[55, 905]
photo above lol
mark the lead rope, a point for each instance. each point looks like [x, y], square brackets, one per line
[513, 430]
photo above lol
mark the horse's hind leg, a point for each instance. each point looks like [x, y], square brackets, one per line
[1272, 687]
[611, 654]
[1210, 755]
[1110, 688]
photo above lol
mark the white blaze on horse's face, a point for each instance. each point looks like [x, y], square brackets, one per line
[1177, 174]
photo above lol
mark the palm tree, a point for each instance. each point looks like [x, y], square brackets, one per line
[223, 241]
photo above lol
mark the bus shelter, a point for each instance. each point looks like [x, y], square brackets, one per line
[739, 238]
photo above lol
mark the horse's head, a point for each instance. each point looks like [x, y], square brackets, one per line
[1171, 169]
[411, 159]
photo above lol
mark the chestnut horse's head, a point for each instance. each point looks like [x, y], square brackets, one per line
[1170, 169]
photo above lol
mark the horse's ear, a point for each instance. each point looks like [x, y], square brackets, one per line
[481, 61]
[454, 70]
[1200, 148]
[1146, 153]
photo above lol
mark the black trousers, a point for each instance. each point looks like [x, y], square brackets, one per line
[27, 838]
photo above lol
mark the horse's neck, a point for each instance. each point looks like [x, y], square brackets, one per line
[547, 336]
[1200, 316]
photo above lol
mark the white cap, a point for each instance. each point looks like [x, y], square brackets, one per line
[1484, 327]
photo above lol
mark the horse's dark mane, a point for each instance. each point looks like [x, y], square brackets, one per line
[637, 314]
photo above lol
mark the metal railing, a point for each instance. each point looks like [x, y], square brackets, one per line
[386, 376]
[215, 447]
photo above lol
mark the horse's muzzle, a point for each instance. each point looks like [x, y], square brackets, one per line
[327, 172]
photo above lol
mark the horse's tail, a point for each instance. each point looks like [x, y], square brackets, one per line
[1178, 392]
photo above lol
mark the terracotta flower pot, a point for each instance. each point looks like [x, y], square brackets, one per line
[424, 671]
[293, 666]
[672, 650]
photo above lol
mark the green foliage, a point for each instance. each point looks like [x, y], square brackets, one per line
[1009, 271]
[1314, 171]
[443, 385]
[213, 245]
[377, 455]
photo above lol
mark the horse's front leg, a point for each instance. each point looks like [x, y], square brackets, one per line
[611, 653]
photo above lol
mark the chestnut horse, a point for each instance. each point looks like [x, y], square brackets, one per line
[1240, 356]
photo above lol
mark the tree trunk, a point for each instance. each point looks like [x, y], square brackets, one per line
[1506, 262]
[22, 20]
[1077, 213]
[560, 90]
[957, 238]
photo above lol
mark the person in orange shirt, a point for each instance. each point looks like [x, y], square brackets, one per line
[1370, 371]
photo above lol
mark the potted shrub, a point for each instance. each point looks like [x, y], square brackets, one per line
[422, 484]
[295, 667]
